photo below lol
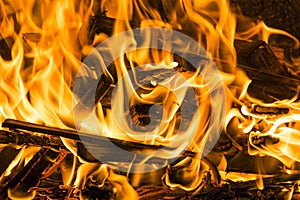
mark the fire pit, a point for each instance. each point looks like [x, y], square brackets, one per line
[147, 100]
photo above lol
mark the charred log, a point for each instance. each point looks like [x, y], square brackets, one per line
[258, 55]
[7, 155]
[30, 139]
[97, 141]
[21, 181]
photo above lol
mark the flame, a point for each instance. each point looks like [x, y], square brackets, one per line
[49, 40]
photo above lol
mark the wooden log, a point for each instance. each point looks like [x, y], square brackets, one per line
[89, 192]
[258, 55]
[244, 163]
[276, 187]
[7, 155]
[100, 23]
[271, 79]
[95, 140]
[270, 87]
[20, 182]
[30, 139]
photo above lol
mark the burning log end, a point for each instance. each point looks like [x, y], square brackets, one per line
[264, 140]
[270, 110]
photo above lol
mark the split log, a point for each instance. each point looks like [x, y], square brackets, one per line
[258, 55]
[271, 80]
[20, 181]
[270, 87]
[7, 155]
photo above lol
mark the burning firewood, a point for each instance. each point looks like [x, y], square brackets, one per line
[270, 77]
[28, 176]
[258, 55]
[255, 157]
[7, 155]
[93, 139]
[53, 132]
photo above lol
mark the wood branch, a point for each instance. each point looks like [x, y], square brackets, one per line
[97, 141]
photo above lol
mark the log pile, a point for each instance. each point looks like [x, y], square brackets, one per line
[42, 176]
[271, 81]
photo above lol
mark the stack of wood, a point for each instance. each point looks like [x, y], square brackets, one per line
[271, 80]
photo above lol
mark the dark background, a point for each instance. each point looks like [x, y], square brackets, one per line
[281, 14]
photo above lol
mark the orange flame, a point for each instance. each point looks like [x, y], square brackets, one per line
[49, 40]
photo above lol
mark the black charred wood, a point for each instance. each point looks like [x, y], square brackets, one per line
[5, 51]
[258, 55]
[243, 162]
[99, 23]
[23, 180]
[30, 139]
[7, 155]
[270, 87]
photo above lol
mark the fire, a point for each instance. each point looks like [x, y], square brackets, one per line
[48, 42]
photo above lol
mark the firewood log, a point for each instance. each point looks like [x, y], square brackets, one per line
[20, 181]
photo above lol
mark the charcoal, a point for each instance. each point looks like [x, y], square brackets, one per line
[5, 50]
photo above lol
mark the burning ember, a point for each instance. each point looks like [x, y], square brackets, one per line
[146, 100]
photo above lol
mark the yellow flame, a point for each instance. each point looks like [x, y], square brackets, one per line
[50, 37]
